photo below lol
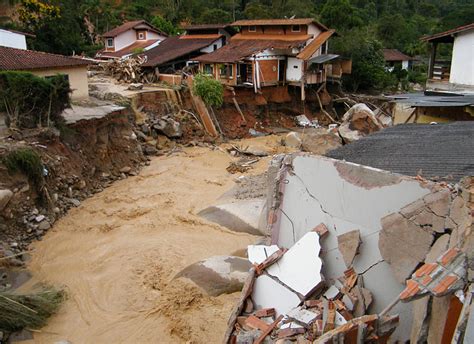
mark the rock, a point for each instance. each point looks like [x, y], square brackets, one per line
[293, 140]
[319, 141]
[357, 122]
[218, 275]
[248, 337]
[126, 169]
[168, 127]
[150, 150]
[403, 245]
[135, 87]
[75, 202]
[348, 244]
[40, 218]
[44, 226]
[5, 197]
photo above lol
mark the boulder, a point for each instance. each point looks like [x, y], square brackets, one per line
[320, 141]
[293, 140]
[357, 122]
[219, 274]
[135, 87]
[169, 127]
[5, 197]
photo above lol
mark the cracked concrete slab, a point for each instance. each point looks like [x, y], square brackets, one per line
[309, 190]
[348, 244]
[258, 253]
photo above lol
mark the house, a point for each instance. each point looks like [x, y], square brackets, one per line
[174, 53]
[13, 39]
[271, 52]
[455, 74]
[394, 57]
[130, 38]
[45, 64]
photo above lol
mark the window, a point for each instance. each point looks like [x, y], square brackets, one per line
[226, 71]
[252, 28]
[110, 42]
[208, 69]
[215, 47]
[141, 36]
[295, 28]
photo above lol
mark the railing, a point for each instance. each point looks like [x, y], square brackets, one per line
[441, 70]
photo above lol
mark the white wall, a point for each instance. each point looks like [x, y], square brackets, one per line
[294, 69]
[125, 39]
[12, 39]
[313, 30]
[77, 79]
[154, 35]
[210, 48]
[462, 65]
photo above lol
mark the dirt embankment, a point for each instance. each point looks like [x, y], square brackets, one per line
[84, 159]
[117, 254]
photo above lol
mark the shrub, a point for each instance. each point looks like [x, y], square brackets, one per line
[26, 161]
[209, 89]
[32, 101]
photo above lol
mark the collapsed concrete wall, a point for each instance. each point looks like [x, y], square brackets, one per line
[382, 223]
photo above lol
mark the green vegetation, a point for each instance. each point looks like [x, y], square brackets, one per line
[75, 26]
[209, 89]
[19, 311]
[28, 162]
[30, 101]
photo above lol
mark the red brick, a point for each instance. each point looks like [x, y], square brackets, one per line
[266, 312]
[426, 269]
[256, 323]
[313, 304]
[448, 256]
[321, 229]
[445, 283]
[411, 290]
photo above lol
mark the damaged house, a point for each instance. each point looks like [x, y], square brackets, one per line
[271, 52]
[130, 38]
[175, 53]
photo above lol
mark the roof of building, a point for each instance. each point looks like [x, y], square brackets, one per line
[237, 50]
[447, 36]
[314, 45]
[131, 25]
[19, 59]
[19, 32]
[434, 151]
[420, 99]
[205, 26]
[274, 37]
[395, 55]
[128, 50]
[175, 47]
[266, 22]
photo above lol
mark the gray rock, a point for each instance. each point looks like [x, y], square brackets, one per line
[150, 150]
[5, 197]
[218, 275]
[135, 87]
[44, 225]
[168, 127]
[125, 169]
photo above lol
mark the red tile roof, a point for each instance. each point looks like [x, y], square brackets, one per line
[266, 22]
[131, 25]
[205, 26]
[127, 50]
[237, 50]
[19, 59]
[395, 55]
[448, 33]
[176, 47]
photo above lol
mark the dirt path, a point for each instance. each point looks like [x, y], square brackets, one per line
[117, 254]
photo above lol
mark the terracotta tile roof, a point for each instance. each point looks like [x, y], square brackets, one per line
[277, 37]
[237, 50]
[315, 44]
[395, 55]
[127, 50]
[19, 59]
[215, 36]
[266, 22]
[448, 33]
[131, 25]
[205, 26]
[175, 47]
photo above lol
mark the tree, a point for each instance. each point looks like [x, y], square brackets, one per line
[341, 15]
[164, 25]
[214, 16]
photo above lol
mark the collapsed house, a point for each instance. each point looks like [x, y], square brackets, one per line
[271, 52]
[175, 53]
[349, 248]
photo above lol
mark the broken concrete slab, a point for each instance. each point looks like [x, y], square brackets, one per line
[319, 141]
[268, 293]
[258, 253]
[300, 267]
[218, 275]
[403, 245]
[239, 215]
[348, 244]
[303, 316]
[357, 122]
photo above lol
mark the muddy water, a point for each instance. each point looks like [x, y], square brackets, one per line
[117, 253]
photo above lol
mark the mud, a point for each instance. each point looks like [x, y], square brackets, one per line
[116, 254]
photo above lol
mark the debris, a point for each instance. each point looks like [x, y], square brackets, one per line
[304, 122]
[135, 87]
[348, 244]
[5, 196]
[293, 140]
[319, 141]
[358, 121]
[257, 254]
[256, 133]
[168, 127]
[241, 166]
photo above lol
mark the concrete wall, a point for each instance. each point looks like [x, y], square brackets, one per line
[294, 69]
[125, 39]
[12, 39]
[462, 64]
[313, 30]
[210, 48]
[77, 79]
[154, 35]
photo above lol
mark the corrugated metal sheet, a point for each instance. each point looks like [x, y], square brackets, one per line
[323, 58]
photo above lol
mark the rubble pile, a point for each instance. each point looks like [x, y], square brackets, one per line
[129, 70]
